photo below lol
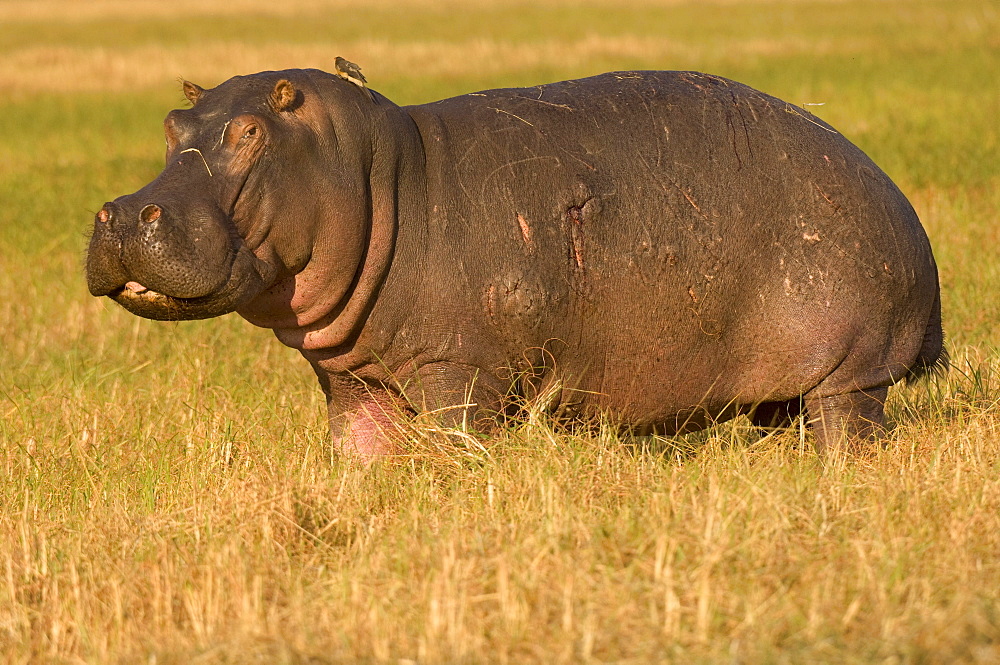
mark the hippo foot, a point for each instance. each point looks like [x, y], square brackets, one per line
[851, 421]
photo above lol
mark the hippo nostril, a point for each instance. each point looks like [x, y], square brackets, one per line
[150, 213]
[107, 213]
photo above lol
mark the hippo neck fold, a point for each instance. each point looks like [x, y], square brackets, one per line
[319, 321]
[338, 327]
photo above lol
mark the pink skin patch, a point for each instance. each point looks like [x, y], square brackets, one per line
[368, 434]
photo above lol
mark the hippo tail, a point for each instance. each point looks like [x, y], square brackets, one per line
[933, 357]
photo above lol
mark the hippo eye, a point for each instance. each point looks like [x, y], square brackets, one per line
[243, 130]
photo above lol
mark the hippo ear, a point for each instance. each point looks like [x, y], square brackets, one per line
[284, 97]
[192, 91]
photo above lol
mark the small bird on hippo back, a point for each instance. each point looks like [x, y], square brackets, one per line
[350, 72]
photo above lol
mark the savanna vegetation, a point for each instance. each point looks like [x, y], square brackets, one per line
[168, 493]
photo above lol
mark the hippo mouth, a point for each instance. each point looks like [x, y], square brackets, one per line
[151, 304]
[137, 290]
[137, 295]
[247, 278]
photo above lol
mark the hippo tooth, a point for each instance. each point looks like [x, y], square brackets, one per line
[136, 287]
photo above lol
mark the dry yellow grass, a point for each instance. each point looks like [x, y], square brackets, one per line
[75, 10]
[105, 64]
[108, 69]
[234, 546]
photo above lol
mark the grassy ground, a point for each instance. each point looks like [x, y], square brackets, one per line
[168, 492]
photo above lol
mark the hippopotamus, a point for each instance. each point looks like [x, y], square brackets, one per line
[659, 250]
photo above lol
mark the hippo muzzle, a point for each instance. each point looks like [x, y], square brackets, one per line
[162, 257]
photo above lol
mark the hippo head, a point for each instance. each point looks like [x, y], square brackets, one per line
[265, 175]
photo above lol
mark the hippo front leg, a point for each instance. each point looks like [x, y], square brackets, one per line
[856, 418]
[364, 430]
[365, 420]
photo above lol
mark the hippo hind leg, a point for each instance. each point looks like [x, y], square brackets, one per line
[855, 418]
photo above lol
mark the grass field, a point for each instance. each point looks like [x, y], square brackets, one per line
[168, 492]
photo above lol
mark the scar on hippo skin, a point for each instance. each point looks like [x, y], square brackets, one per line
[582, 210]
[525, 233]
[694, 77]
[574, 219]
[826, 197]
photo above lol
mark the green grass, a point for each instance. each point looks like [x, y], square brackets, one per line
[169, 492]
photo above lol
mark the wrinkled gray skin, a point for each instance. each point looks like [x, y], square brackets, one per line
[664, 248]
